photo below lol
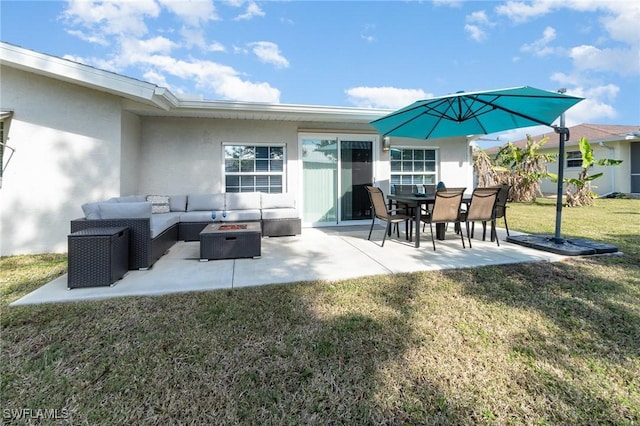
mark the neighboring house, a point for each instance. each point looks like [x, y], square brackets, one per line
[607, 141]
[82, 134]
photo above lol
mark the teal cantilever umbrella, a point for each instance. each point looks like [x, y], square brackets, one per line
[481, 113]
[475, 113]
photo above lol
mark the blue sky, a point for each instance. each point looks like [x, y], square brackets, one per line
[382, 54]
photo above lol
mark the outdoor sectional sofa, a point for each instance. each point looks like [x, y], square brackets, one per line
[157, 222]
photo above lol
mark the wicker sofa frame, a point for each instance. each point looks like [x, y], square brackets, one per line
[143, 250]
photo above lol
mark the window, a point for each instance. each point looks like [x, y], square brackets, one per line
[411, 166]
[254, 168]
[574, 159]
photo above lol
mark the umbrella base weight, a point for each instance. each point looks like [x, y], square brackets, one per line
[568, 247]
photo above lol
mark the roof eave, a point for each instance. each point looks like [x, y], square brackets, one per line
[80, 74]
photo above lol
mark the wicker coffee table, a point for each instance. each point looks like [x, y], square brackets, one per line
[230, 240]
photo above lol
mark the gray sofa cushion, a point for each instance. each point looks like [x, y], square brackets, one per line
[130, 199]
[178, 203]
[210, 202]
[125, 210]
[279, 214]
[200, 216]
[91, 210]
[241, 215]
[160, 222]
[277, 201]
[242, 201]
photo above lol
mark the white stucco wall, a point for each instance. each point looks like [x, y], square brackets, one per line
[454, 159]
[130, 154]
[76, 145]
[67, 142]
[184, 155]
[614, 178]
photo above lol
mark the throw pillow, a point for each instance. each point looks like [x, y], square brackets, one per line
[159, 203]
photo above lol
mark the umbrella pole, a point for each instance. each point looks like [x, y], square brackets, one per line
[562, 132]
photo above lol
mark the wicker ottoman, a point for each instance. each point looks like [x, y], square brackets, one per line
[97, 256]
[230, 240]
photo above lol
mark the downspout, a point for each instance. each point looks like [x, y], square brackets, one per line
[611, 170]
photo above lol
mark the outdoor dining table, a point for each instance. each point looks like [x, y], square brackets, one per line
[417, 201]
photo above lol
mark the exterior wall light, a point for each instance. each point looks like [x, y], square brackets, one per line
[386, 143]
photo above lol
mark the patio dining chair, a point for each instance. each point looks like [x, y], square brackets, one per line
[404, 208]
[380, 211]
[446, 208]
[501, 204]
[443, 189]
[482, 209]
[500, 210]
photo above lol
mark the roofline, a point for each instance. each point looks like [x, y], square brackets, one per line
[329, 112]
[77, 73]
[162, 98]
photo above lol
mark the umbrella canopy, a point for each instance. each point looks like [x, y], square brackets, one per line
[475, 113]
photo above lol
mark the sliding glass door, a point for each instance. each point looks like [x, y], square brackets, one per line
[336, 170]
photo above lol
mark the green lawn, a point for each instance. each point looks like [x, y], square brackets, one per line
[544, 343]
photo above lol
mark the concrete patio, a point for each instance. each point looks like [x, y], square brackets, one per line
[326, 254]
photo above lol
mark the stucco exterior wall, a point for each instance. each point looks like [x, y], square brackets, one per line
[614, 178]
[130, 154]
[184, 155]
[67, 141]
[454, 159]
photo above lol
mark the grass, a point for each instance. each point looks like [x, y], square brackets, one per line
[543, 343]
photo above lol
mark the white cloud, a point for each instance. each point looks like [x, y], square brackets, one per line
[121, 24]
[475, 32]
[112, 17]
[192, 13]
[192, 36]
[90, 38]
[476, 24]
[622, 61]
[519, 12]
[211, 76]
[367, 33]
[384, 97]
[269, 53]
[622, 24]
[598, 98]
[449, 3]
[540, 47]
[216, 47]
[251, 12]
[478, 17]
[614, 50]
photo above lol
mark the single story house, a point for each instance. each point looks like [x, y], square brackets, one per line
[73, 134]
[615, 142]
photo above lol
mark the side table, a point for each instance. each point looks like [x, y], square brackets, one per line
[97, 256]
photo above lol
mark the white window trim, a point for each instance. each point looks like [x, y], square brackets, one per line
[436, 173]
[284, 172]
